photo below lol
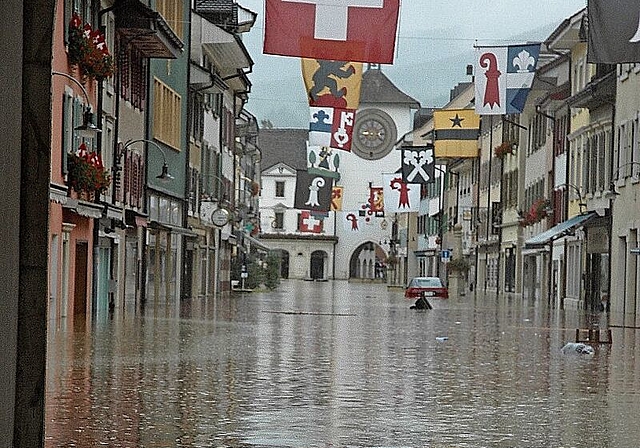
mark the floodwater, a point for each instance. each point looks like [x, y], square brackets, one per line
[337, 364]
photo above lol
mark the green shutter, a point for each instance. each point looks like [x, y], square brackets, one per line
[66, 131]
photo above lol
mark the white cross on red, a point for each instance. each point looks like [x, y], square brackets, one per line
[311, 223]
[332, 16]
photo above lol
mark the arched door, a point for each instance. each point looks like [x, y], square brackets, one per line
[317, 267]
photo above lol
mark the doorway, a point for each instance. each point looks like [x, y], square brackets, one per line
[317, 265]
[81, 277]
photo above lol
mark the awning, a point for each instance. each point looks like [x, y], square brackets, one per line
[558, 231]
[256, 243]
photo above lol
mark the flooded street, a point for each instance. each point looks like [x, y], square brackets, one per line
[341, 365]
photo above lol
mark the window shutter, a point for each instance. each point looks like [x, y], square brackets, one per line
[66, 132]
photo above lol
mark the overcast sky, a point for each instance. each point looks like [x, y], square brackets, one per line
[434, 45]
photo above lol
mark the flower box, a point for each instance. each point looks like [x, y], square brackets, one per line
[504, 148]
[537, 212]
[88, 50]
[86, 174]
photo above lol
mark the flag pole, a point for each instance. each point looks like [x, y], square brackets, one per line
[486, 253]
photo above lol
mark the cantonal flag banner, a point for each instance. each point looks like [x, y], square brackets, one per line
[339, 30]
[399, 196]
[614, 31]
[336, 198]
[323, 160]
[456, 133]
[313, 192]
[331, 127]
[332, 83]
[503, 78]
[309, 223]
[351, 221]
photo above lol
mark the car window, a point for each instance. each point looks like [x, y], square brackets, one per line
[426, 282]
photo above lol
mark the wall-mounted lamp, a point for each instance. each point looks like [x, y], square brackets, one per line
[612, 186]
[581, 203]
[87, 128]
[539, 111]
[164, 175]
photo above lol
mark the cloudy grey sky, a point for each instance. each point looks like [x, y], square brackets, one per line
[434, 45]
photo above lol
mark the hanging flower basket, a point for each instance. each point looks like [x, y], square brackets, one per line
[504, 148]
[537, 212]
[86, 174]
[255, 188]
[88, 50]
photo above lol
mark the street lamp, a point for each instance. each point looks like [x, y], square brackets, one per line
[87, 128]
[164, 175]
[614, 177]
[581, 204]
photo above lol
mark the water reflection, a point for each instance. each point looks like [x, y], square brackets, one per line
[336, 364]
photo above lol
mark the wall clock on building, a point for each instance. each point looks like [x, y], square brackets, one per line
[374, 134]
[220, 217]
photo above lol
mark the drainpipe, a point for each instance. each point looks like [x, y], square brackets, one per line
[611, 165]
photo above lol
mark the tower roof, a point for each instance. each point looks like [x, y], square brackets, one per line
[377, 88]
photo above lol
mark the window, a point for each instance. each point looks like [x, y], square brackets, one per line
[196, 119]
[279, 189]
[278, 222]
[166, 113]
[171, 10]
[133, 77]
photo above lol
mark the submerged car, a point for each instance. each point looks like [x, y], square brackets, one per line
[430, 286]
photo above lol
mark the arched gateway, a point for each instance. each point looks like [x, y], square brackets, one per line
[368, 262]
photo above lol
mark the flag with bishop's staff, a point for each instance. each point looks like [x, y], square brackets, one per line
[341, 30]
[313, 192]
[351, 221]
[399, 196]
[504, 76]
[456, 133]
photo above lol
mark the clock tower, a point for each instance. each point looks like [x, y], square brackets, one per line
[384, 116]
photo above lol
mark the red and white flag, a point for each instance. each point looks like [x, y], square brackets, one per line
[399, 196]
[309, 223]
[331, 127]
[343, 30]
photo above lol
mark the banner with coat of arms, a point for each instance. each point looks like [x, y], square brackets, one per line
[331, 127]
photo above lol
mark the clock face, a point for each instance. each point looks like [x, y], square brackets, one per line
[220, 217]
[375, 134]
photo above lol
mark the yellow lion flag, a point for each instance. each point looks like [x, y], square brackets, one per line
[456, 133]
[332, 83]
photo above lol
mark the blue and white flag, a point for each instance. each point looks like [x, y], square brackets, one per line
[332, 127]
[504, 76]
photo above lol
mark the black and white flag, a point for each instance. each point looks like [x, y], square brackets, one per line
[313, 192]
[614, 31]
[418, 164]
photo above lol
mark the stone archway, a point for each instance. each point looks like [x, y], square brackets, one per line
[367, 262]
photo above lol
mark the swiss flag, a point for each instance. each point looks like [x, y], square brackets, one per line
[344, 30]
[309, 223]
